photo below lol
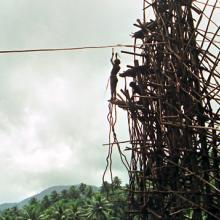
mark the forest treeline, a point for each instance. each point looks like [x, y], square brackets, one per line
[75, 203]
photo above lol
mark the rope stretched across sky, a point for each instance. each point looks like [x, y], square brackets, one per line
[78, 48]
[64, 49]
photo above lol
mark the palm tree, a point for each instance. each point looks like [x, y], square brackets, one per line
[54, 196]
[73, 193]
[82, 188]
[10, 214]
[72, 212]
[116, 183]
[30, 212]
[45, 202]
[58, 212]
[7, 217]
[64, 194]
[119, 201]
[106, 187]
[89, 192]
[47, 214]
[97, 209]
[33, 201]
[44, 216]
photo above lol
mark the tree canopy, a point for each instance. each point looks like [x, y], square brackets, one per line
[76, 203]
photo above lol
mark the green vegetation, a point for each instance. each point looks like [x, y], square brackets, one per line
[75, 203]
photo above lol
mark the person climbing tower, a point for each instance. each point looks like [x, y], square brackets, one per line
[113, 77]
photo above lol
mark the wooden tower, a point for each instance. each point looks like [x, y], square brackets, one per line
[172, 101]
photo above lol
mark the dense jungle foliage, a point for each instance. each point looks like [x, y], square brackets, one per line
[75, 203]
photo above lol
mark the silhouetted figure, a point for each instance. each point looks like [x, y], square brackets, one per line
[132, 72]
[135, 87]
[113, 77]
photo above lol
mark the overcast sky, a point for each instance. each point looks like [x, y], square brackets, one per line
[53, 106]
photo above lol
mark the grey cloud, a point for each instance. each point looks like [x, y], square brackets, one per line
[53, 106]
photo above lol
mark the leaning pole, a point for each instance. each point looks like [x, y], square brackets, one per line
[171, 97]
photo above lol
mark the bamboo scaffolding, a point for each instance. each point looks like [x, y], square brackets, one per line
[173, 113]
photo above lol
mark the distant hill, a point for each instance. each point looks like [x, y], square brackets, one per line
[39, 196]
[7, 205]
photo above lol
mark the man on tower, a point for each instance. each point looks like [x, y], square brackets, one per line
[113, 77]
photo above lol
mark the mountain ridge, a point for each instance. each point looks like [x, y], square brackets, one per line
[39, 196]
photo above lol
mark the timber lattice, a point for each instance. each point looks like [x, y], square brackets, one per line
[172, 97]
